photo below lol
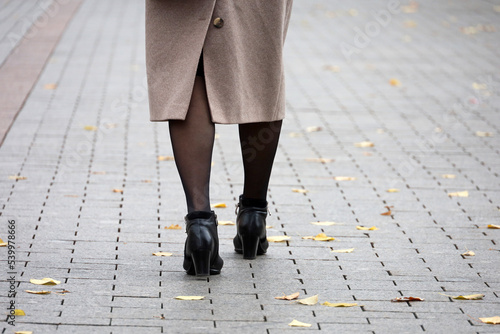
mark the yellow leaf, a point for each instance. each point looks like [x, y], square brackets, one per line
[314, 128]
[16, 177]
[226, 222]
[491, 320]
[467, 297]
[296, 323]
[295, 134]
[493, 226]
[116, 190]
[165, 158]
[43, 292]
[3, 244]
[44, 281]
[325, 160]
[50, 86]
[392, 190]
[323, 237]
[90, 127]
[173, 227]
[288, 297]
[364, 228]
[324, 223]
[484, 134]
[464, 193]
[348, 250]
[278, 238]
[448, 176]
[469, 253]
[162, 254]
[364, 144]
[23, 332]
[190, 297]
[309, 301]
[395, 82]
[353, 12]
[344, 178]
[219, 205]
[301, 191]
[339, 304]
[19, 312]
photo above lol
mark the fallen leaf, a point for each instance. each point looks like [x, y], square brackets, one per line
[74, 196]
[392, 190]
[325, 223]
[412, 7]
[295, 134]
[344, 178]
[190, 297]
[165, 158]
[353, 12]
[288, 297]
[19, 312]
[269, 226]
[464, 193]
[448, 176]
[339, 304]
[332, 68]
[410, 24]
[23, 332]
[173, 227]
[162, 254]
[226, 222]
[90, 127]
[278, 238]
[407, 299]
[159, 317]
[314, 128]
[493, 226]
[42, 292]
[217, 136]
[296, 323]
[62, 292]
[50, 86]
[364, 144]
[44, 281]
[309, 301]
[484, 134]
[3, 243]
[367, 154]
[146, 181]
[16, 177]
[116, 190]
[388, 212]
[348, 250]
[219, 205]
[491, 320]
[322, 160]
[110, 125]
[466, 297]
[364, 228]
[395, 82]
[99, 173]
[478, 86]
[469, 253]
[320, 237]
[302, 191]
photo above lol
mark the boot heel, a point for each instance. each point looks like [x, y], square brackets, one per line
[249, 245]
[201, 262]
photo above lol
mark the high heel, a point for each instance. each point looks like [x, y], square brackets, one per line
[201, 251]
[250, 239]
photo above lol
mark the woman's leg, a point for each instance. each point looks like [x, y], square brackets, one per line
[192, 143]
[259, 142]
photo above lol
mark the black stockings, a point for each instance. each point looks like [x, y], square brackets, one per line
[192, 143]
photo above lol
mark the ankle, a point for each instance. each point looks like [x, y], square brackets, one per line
[253, 202]
[199, 214]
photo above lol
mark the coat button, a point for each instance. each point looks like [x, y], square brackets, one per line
[218, 22]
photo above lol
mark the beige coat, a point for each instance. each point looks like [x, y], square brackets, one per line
[242, 57]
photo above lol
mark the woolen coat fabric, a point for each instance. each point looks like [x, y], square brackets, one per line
[242, 57]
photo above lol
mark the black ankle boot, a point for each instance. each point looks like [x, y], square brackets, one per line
[201, 251]
[250, 239]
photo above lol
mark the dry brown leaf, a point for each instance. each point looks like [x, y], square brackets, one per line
[165, 158]
[18, 312]
[364, 144]
[162, 254]
[314, 128]
[278, 238]
[62, 292]
[289, 297]
[469, 253]
[173, 227]
[146, 181]
[392, 190]
[348, 250]
[322, 160]
[395, 82]
[448, 176]
[42, 292]
[50, 86]
[491, 320]
[16, 177]
[301, 191]
[226, 222]
[339, 304]
[493, 226]
[313, 300]
[74, 196]
[44, 281]
[344, 178]
[464, 193]
[364, 228]
[296, 323]
[190, 297]
[325, 223]
[388, 212]
[116, 190]
[219, 205]
[484, 134]
[407, 299]
[90, 127]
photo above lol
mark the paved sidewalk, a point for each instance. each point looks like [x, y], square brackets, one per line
[418, 80]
